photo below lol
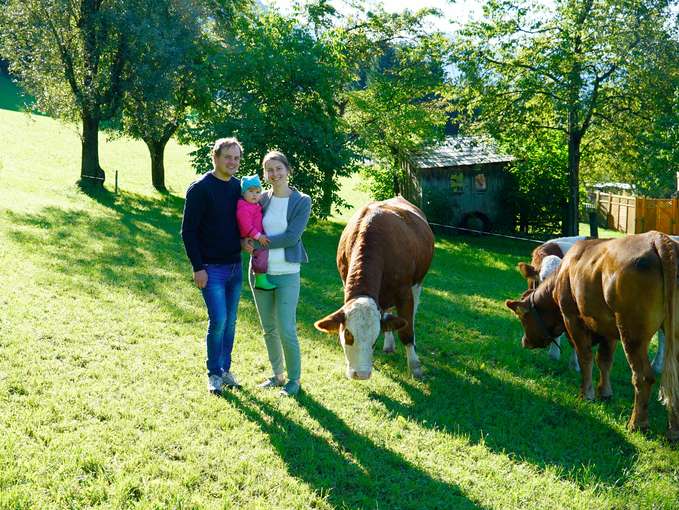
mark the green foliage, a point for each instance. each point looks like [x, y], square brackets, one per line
[378, 180]
[567, 68]
[400, 104]
[538, 194]
[280, 94]
[70, 59]
[644, 150]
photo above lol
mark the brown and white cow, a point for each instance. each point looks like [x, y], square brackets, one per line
[545, 261]
[382, 257]
[558, 247]
[608, 289]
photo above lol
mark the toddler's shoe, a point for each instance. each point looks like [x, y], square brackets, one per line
[263, 283]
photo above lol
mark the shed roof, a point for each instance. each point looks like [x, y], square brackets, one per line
[460, 151]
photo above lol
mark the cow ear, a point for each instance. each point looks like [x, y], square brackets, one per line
[392, 322]
[528, 271]
[517, 307]
[331, 323]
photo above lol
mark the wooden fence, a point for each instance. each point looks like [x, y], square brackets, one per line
[635, 215]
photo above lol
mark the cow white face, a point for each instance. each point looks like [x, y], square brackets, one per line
[359, 323]
[358, 335]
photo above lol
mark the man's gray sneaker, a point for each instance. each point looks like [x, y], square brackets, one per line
[272, 382]
[290, 389]
[229, 380]
[214, 384]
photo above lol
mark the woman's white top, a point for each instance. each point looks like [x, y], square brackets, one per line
[275, 221]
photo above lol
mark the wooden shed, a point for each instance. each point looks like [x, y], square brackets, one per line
[460, 182]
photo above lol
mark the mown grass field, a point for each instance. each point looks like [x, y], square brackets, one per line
[102, 391]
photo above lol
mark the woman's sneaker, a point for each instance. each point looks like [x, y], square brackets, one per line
[291, 389]
[214, 384]
[272, 382]
[229, 380]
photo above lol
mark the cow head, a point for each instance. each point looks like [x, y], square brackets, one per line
[530, 274]
[541, 324]
[359, 323]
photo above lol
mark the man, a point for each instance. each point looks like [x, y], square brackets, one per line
[212, 241]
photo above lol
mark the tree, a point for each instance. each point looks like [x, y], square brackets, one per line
[643, 150]
[527, 67]
[70, 55]
[274, 87]
[166, 75]
[399, 103]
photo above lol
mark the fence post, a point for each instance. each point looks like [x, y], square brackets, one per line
[593, 220]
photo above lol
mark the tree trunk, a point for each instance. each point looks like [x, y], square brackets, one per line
[572, 220]
[91, 174]
[157, 152]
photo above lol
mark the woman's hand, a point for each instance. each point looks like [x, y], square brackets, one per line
[263, 240]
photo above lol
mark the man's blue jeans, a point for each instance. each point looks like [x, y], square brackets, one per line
[221, 295]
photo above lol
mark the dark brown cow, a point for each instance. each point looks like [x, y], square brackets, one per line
[607, 289]
[382, 257]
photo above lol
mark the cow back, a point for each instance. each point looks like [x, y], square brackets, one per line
[386, 246]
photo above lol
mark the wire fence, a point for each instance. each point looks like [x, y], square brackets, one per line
[483, 232]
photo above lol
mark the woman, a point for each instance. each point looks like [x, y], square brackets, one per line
[286, 213]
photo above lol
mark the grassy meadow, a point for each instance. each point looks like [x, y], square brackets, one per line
[102, 387]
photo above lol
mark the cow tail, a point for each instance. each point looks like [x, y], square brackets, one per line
[669, 385]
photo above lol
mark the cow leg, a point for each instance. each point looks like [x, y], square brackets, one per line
[604, 360]
[642, 380]
[573, 362]
[407, 308]
[581, 339]
[659, 359]
[389, 342]
[554, 350]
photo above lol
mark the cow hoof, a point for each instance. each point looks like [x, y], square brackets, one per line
[637, 426]
[589, 396]
[417, 373]
[389, 350]
[606, 398]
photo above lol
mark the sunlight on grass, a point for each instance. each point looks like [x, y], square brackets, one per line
[102, 390]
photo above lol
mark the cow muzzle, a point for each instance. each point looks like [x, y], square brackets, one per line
[358, 375]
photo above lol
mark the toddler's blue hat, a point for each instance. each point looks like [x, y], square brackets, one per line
[250, 181]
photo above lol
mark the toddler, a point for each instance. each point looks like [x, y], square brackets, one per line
[249, 216]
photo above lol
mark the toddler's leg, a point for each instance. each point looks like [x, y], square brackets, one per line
[260, 262]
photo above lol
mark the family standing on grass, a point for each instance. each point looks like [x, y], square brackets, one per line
[223, 216]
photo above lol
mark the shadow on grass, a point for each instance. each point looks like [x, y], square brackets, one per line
[510, 419]
[137, 248]
[349, 470]
[462, 318]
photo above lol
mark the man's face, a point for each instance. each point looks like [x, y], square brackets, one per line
[228, 160]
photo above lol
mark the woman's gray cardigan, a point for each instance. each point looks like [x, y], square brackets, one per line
[299, 208]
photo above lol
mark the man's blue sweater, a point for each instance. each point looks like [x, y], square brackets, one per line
[209, 227]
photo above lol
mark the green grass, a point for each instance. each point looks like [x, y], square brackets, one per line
[102, 390]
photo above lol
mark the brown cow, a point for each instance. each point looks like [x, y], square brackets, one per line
[607, 289]
[382, 257]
